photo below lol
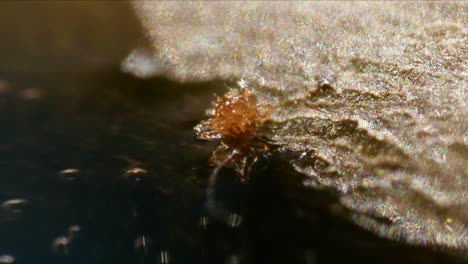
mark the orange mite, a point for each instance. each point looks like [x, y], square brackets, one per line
[236, 118]
[236, 114]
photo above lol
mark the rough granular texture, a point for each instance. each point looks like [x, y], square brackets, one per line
[374, 95]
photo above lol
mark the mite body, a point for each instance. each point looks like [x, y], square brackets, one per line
[236, 118]
[236, 115]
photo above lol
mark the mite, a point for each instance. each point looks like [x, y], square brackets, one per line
[236, 117]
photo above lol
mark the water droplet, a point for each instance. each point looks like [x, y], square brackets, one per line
[73, 231]
[60, 245]
[69, 175]
[164, 257]
[143, 243]
[135, 175]
[234, 220]
[15, 206]
[14, 202]
[6, 259]
[204, 222]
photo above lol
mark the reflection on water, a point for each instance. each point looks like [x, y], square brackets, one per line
[7, 259]
[106, 170]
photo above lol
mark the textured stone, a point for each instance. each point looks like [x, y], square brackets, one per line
[373, 94]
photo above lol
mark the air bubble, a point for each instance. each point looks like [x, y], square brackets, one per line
[234, 220]
[14, 202]
[15, 206]
[143, 243]
[204, 222]
[7, 259]
[61, 245]
[135, 175]
[69, 175]
[73, 231]
[164, 257]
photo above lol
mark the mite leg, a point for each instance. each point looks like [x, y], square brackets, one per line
[211, 189]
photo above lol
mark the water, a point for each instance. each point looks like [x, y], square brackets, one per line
[85, 174]
[105, 168]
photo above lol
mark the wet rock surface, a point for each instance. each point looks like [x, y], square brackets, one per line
[101, 167]
[373, 96]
